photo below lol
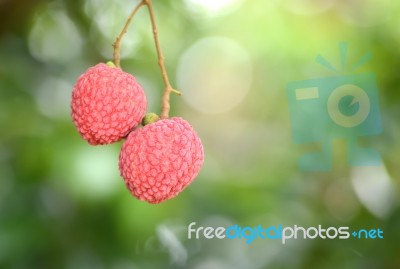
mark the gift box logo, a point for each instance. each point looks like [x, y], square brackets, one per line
[342, 106]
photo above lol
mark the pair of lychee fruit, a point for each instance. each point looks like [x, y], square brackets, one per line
[157, 160]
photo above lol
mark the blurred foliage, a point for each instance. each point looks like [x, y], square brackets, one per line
[63, 203]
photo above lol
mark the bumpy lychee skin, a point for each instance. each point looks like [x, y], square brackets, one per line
[107, 103]
[161, 159]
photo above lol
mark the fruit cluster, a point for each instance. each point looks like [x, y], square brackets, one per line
[160, 157]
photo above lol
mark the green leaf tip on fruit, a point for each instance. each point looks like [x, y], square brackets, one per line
[111, 64]
[150, 118]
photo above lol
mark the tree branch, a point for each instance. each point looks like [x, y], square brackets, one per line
[165, 105]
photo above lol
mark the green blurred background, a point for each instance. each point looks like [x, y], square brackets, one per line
[63, 203]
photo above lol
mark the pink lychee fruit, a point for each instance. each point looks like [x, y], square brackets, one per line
[161, 159]
[107, 103]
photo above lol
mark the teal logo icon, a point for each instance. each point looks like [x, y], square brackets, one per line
[343, 106]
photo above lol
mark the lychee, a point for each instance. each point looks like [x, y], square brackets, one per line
[161, 159]
[107, 103]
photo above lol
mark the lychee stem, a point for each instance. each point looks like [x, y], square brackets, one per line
[117, 42]
[165, 105]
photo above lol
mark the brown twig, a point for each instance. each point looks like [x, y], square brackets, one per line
[165, 106]
[117, 42]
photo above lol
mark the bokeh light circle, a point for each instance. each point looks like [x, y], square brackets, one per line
[53, 98]
[54, 37]
[214, 75]
[213, 7]
[366, 13]
[308, 7]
